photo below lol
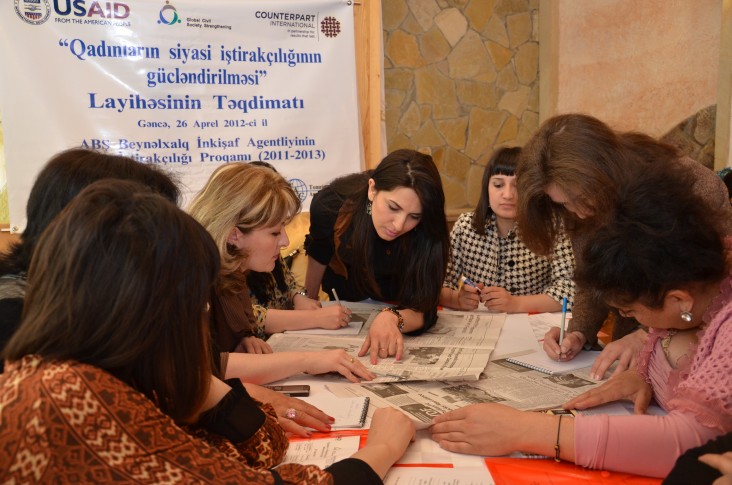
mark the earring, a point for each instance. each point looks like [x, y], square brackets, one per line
[368, 208]
[686, 316]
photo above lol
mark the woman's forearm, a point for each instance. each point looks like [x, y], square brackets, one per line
[541, 303]
[264, 368]
[313, 277]
[449, 298]
[281, 320]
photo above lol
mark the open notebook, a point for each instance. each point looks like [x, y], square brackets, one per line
[540, 361]
[349, 412]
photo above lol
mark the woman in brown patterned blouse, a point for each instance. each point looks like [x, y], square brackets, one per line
[110, 376]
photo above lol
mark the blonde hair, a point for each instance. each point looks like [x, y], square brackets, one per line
[244, 196]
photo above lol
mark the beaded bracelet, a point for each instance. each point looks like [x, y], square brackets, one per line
[400, 322]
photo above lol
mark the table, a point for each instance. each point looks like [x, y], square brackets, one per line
[425, 463]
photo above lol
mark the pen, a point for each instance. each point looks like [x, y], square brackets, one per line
[564, 320]
[469, 282]
[335, 293]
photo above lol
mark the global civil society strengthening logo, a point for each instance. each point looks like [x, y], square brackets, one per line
[169, 15]
[34, 12]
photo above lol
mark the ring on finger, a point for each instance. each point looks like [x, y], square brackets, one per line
[291, 413]
[350, 359]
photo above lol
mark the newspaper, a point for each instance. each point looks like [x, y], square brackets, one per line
[458, 347]
[502, 382]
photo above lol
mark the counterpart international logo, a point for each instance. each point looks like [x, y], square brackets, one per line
[168, 15]
[330, 26]
[34, 12]
[300, 188]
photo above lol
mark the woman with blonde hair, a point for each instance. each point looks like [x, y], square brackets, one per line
[245, 209]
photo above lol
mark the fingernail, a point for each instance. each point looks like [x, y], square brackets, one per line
[331, 419]
[308, 434]
[327, 426]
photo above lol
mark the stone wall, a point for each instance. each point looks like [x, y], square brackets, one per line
[695, 136]
[461, 79]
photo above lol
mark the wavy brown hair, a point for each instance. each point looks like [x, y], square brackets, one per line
[120, 280]
[589, 162]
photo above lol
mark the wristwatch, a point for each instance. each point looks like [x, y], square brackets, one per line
[400, 322]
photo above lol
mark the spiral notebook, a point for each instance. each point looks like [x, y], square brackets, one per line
[540, 361]
[349, 412]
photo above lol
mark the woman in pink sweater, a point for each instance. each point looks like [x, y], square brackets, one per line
[661, 259]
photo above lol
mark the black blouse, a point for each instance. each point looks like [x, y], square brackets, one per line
[385, 261]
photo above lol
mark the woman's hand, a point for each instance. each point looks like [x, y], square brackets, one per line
[468, 297]
[498, 299]
[479, 429]
[302, 302]
[332, 317]
[723, 463]
[570, 347]
[306, 415]
[253, 345]
[628, 385]
[384, 338]
[624, 350]
[336, 361]
[389, 435]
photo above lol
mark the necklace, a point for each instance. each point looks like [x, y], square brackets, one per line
[666, 341]
[678, 346]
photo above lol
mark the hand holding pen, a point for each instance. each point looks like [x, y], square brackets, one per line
[469, 295]
[562, 352]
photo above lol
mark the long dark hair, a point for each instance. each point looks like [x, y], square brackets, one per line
[661, 236]
[425, 248]
[587, 160]
[502, 162]
[61, 179]
[120, 280]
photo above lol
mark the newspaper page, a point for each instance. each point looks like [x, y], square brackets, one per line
[458, 347]
[502, 382]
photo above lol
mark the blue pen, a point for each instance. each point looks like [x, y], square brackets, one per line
[564, 320]
[469, 282]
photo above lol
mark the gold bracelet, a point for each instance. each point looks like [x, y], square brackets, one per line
[400, 322]
[556, 446]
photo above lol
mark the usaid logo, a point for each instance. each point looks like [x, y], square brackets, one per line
[34, 12]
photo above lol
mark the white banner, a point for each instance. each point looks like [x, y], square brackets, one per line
[183, 84]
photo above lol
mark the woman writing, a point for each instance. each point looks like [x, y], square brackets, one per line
[665, 237]
[569, 176]
[280, 303]
[504, 275]
[382, 234]
[245, 209]
[110, 376]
